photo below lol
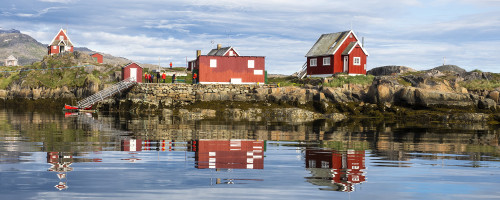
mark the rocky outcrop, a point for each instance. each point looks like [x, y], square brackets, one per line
[389, 70]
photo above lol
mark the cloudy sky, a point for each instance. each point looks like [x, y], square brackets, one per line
[414, 33]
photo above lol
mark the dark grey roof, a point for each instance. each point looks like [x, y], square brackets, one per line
[327, 44]
[218, 52]
[348, 48]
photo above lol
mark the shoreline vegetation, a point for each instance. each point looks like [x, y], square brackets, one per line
[442, 94]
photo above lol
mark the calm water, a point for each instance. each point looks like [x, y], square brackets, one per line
[64, 156]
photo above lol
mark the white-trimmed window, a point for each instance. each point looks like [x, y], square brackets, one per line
[326, 61]
[61, 37]
[213, 62]
[54, 47]
[258, 72]
[231, 53]
[251, 64]
[356, 60]
[313, 62]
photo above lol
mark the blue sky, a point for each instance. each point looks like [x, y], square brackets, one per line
[413, 33]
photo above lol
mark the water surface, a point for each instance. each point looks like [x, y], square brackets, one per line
[55, 155]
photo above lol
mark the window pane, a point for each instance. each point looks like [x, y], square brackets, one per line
[213, 62]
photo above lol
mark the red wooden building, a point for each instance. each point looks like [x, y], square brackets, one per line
[97, 57]
[132, 70]
[336, 53]
[60, 44]
[226, 66]
[229, 154]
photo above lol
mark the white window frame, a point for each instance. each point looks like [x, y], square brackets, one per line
[61, 37]
[231, 53]
[313, 62]
[326, 59]
[356, 61]
[251, 64]
[213, 63]
[54, 47]
[258, 72]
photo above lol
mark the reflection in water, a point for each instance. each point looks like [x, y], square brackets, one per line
[338, 170]
[226, 152]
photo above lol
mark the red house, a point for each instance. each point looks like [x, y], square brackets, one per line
[132, 70]
[229, 154]
[60, 44]
[336, 53]
[97, 57]
[226, 66]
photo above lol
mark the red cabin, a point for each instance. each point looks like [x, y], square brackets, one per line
[60, 44]
[132, 70]
[97, 57]
[336, 53]
[226, 66]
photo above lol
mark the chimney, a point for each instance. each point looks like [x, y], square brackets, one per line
[219, 46]
[198, 53]
[363, 42]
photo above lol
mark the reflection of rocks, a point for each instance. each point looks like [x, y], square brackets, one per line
[196, 114]
[252, 114]
[293, 115]
[469, 117]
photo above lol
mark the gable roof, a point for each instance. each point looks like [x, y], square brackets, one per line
[221, 51]
[328, 44]
[56, 41]
[351, 47]
[131, 64]
[11, 57]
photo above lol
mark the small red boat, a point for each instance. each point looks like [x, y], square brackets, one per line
[68, 107]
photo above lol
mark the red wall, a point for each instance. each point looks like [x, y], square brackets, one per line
[126, 72]
[98, 56]
[320, 68]
[339, 62]
[357, 69]
[230, 67]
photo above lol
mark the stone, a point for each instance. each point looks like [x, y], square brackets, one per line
[486, 104]
[494, 95]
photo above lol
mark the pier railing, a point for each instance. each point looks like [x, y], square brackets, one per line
[108, 92]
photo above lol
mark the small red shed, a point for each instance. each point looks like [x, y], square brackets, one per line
[132, 70]
[226, 66]
[336, 53]
[97, 57]
[60, 44]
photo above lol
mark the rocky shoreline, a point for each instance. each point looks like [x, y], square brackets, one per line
[431, 95]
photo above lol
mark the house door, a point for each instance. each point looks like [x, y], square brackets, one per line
[61, 49]
[133, 74]
[346, 63]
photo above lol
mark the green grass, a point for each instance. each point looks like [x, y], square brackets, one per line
[341, 80]
[481, 84]
[284, 81]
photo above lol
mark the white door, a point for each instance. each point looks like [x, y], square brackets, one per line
[133, 74]
[346, 63]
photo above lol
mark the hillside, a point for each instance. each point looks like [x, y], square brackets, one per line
[28, 50]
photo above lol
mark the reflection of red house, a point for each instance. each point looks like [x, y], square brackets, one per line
[97, 57]
[335, 53]
[131, 145]
[60, 44]
[229, 154]
[224, 65]
[343, 169]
